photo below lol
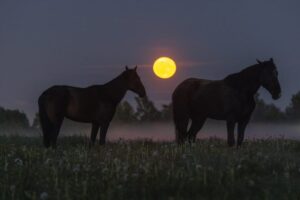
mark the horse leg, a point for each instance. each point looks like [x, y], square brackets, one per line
[56, 129]
[51, 129]
[94, 132]
[230, 133]
[197, 124]
[46, 124]
[103, 131]
[181, 130]
[47, 135]
[241, 130]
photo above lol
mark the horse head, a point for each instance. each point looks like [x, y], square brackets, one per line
[134, 82]
[269, 78]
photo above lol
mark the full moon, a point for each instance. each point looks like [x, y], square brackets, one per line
[164, 67]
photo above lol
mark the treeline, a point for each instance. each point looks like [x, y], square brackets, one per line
[13, 118]
[144, 111]
[270, 113]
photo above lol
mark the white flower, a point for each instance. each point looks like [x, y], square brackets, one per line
[198, 166]
[251, 183]
[18, 161]
[76, 168]
[104, 170]
[12, 188]
[287, 174]
[155, 153]
[44, 195]
[47, 161]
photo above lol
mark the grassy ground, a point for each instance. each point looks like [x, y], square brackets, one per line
[261, 169]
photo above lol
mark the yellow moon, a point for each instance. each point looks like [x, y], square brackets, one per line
[164, 67]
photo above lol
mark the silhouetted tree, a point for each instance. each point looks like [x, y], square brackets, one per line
[266, 112]
[146, 111]
[13, 119]
[125, 113]
[166, 112]
[36, 121]
[293, 110]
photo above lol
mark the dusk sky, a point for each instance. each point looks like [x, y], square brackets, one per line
[80, 43]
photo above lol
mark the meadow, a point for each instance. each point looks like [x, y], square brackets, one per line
[143, 169]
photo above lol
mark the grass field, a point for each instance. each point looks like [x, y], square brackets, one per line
[261, 169]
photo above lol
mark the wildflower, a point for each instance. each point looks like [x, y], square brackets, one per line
[287, 174]
[76, 168]
[18, 161]
[119, 187]
[12, 188]
[104, 170]
[47, 161]
[44, 195]
[60, 162]
[209, 168]
[198, 166]
[155, 153]
[251, 183]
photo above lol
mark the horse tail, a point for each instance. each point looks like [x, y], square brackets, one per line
[44, 120]
[180, 114]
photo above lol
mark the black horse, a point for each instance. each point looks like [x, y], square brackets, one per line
[230, 99]
[95, 104]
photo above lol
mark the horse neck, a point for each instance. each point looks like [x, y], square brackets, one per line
[246, 81]
[116, 88]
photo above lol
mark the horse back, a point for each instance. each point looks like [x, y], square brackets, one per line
[53, 101]
[218, 100]
[79, 104]
[183, 95]
[210, 98]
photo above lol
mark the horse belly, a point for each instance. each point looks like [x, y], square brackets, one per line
[106, 112]
[90, 113]
[215, 103]
[81, 108]
[81, 111]
[216, 110]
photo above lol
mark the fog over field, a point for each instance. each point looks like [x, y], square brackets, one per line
[165, 131]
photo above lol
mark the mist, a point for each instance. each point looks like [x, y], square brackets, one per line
[165, 131]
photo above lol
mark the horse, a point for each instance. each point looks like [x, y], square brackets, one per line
[230, 99]
[95, 104]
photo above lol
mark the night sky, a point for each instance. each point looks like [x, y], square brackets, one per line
[80, 43]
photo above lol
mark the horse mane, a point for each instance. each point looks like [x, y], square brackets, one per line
[117, 79]
[247, 78]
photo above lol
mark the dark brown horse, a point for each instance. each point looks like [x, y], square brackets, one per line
[95, 104]
[230, 99]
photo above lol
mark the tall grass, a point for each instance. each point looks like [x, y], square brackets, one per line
[261, 169]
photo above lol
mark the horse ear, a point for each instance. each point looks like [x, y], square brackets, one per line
[271, 60]
[126, 67]
[135, 68]
[258, 61]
